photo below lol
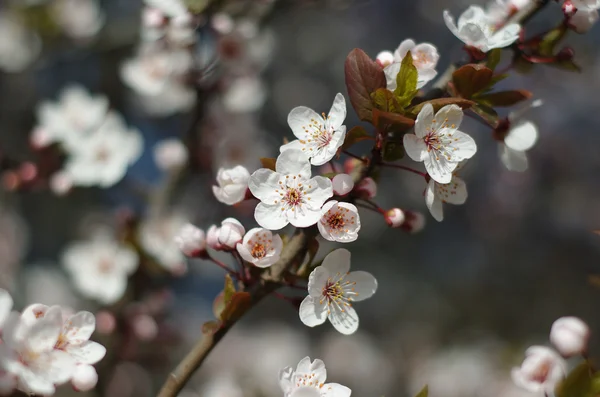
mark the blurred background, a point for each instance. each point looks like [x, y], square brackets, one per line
[457, 303]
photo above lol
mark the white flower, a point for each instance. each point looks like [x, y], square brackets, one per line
[520, 138]
[74, 335]
[75, 115]
[100, 267]
[342, 184]
[191, 240]
[570, 336]
[28, 353]
[260, 247]
[157, 237]
[436, 194]
[170, 154]
[385, 58]
[245, 94]
[586, 5]
[231, 233]
[367, 188]
[541, 370]
[6, 304]
[289, 195]
[103, 158]
[212, 237]
[438, 142]
[339, 222]
[425, 59]
[331, 291]
[319, 137]
[395, 217]
[583, 20]
[171, 8]
[175, 97]
[18, 46]
[84, 378]
[308, 380]
[478, 30]
[233, 183]
[80, 19]
[498, 11]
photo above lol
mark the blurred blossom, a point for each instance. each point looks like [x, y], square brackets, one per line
[171, 8]
[80, 19]
[18, 46]
[157, 237]
[245, 94]
[170, 154]
[100, 267]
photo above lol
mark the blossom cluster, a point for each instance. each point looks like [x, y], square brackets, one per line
[44, 347]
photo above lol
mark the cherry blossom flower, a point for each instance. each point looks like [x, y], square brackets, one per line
[425, 59]
[170, 154]
[84, 378]
[586, 4]
[245, 94]
[438, 142]
[19, 47]
[395, 217]
[231, 233]
[157, 237]
[318, 136]
[520, 138]
[289, 194]
[171, 8]
[476, 29]
[79, 19]
[570, 336]
[541, 370]
[260, 247]
[232, 185]
[339, 222]
[212, 238]
[331, 291]
[100, 267]
[308, 380]
[191, 240]
[385, 58]
[342, 184]
[498, 11]
[29, 355]
[436, 194]
[367, 188]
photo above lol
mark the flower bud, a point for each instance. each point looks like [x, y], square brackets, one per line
[84, 378]
[144, 327]
[414, 222]
[232, 185]
[367, 188]
[231, 232]
[170, 154]
[105, 322]
[395, 217]
[191, 240]
[569, 8]
[212, 238]
[541, 370]
[342, 184]
[583, 20]
[384, 58]
[570, 336]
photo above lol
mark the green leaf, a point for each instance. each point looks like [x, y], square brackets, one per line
[471, 79]
[424, 392]
[488, 114]
[386, 121]
[229, 289]
[196, 6]
[578, 383]
[406, 81]
[238, 305]
[268, 162]
[355, 135]
[551, 39]
[568, 65]
[440, 103]
[363, 77]
[493, 58]
[504, 98]
[385, 100]
[219, 305]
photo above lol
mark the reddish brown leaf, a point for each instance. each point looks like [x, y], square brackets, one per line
[440, 103]
[355, 135]
[472, 78]
[387, 121]
[363, 77]
[239, 304]
[504, 98]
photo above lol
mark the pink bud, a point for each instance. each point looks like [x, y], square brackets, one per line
[569, 8]
[231, 232]
[152, 17]
[385, 58]
[105, 322]
[40, 138]
[414, 222]
[367, 188]
[212, 238]
[570, 336]
[351, 164]
[144, 327]
[84, 377]
[342, 184]
[222, 23]
[395, 217]
[191, 240]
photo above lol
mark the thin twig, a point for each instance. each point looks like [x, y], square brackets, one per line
[405, 168]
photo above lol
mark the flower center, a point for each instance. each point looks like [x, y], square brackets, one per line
[105, 266]
[542, 373]
[338, 293]
[102, 155]
[258, 251]
[309, 380]
[62, 342]
[420, 59]
[336, 221]
[293, 197]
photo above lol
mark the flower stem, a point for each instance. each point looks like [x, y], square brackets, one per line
[347, 153]
[405, 168]
[224, 266]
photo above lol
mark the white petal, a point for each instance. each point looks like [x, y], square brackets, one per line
[263, 184]
[455, 192]
[513, 160]
[337, 261]
[317, 281]
[301, 117]
[270, 216]
[522, 136]
[304, 216]
[450, 117]
[439, 168]
[473, 14]
[59, 367]
[319, 189]
[462, 147]
[6, 304]
[505, 36]
[285, 379]
[344, 319]
[306, 391]
[315, 369]
[391, 72]
[337, 114]
[43, 335]
[429, 53]
[88, 352]
[424, 121]
[433, 202]
[404, 47]
[312, 312]
[293, 162]
[450, 24]
[80, 326]
[415, 147]
[335, 390]
[425, 76]
[295, 144]
[365, 286]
